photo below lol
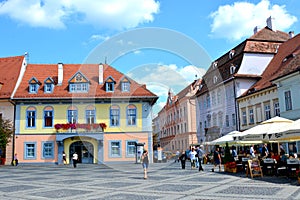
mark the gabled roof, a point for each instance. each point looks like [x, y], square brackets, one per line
[287, 60]
[90, 71]
[10, 68]
[265, 41]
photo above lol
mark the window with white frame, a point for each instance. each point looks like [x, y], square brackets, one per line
[33, 88]
[213, 98]
[288, 100]
[208, 101]
[214, 119]
[130, 148]
[208, 121]
[276, 109]
[220, 116]
[31, 117]
[219, 97]
[72, 115]
[48, 117]
[114, 115]
[125, 86]
[115, 148]
[131, 115]
[48, 150]
[251, 116]
[267, 112]
[90, 116]
[30, 150]
[244, 117]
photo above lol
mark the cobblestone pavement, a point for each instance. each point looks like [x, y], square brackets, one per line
[125, 181]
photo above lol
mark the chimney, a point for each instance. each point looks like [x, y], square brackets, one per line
[100, 73]
[270, 23]
[291, 34]
[60, 74]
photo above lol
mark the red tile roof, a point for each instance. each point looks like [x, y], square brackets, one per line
[286, 61]
[264, 41]
[10, 68]
[91, 71]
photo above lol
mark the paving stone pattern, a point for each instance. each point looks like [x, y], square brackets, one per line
[166, 181]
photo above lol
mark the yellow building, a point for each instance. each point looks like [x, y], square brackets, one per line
[91, 109]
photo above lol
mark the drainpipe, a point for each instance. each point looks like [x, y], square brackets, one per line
[14, 133]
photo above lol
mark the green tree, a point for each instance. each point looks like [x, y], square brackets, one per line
[6, 132]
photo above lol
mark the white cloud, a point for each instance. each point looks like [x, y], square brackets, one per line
[161, 78]
[113, 14]
[238, 20]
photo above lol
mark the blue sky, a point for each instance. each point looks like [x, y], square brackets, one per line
[162, 43]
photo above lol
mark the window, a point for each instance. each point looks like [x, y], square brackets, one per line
[288, 100]
[131, 115]
[72, 115]
[125, 86]
[31, 117]
[48, 149]
[214, 119]
[48, 88]
[114, 116]
[232, 69]
[244, 116]
[233, 119]
[208, 121]
[130, 148]
[208, 101]
[213, 97]
[251, 116]
[115, 149]
[267, 112]
[30, 149]
[79, 87]
[219, 96]
[220, 116]
[215, 79]
[90, 116]
[276, 109]
[48, 117]
[110, 84]
[33, 88]
[227, 120]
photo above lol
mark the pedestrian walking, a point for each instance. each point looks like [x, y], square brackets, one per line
[193, 158]
[75, 159]
[145, 163]
[183, 159]
[177, 156]
[217, 159]
[201, 154]
[16, 161]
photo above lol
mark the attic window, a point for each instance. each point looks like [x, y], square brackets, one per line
[33, 85]
[125, 84]
[78, 83]
[215, 79]
[110, 84]
[288, 57]
[231, 54]
[49, 85]
[215, 64]
[232, 69]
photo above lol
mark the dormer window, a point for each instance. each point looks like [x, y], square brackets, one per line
[215, 64]
[33, 85]
[232, 69]
[49, 85]
[125, 84]
[215, 79]
[231, 54]
[110, 84]
[78, 83]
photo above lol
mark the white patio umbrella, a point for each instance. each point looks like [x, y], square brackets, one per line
[290, 132]
[230, 139]
[265, 129]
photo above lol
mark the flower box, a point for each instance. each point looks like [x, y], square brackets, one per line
[230, 167]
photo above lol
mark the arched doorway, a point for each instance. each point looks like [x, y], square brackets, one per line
[85, 151]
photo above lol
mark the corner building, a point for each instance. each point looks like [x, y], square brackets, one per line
[91, 109]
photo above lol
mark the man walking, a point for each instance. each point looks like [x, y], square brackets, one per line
[200, 153]
[75, 159]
